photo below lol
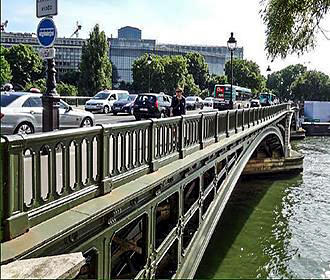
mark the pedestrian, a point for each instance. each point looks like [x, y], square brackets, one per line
[178, 105]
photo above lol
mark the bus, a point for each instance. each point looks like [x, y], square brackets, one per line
[268, 99]
[222, 94]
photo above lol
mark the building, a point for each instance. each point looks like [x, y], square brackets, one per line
[123, 51]
[131, 33]
[68, 50]
[129, 45]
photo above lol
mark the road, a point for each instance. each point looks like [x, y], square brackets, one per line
[110, 118]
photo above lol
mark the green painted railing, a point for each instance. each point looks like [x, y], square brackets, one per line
[46, 174]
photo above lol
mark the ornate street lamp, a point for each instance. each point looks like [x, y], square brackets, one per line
[231, 44]
[149, 60]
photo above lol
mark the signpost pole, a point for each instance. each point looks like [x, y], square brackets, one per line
[50, 100]
[46, 34]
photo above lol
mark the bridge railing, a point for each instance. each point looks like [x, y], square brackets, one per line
[46, 174]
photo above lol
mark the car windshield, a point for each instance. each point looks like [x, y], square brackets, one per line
[132, 97]
[6, 99]
[191, 98]
[101, 95]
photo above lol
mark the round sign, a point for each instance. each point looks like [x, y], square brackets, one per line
[46, 32]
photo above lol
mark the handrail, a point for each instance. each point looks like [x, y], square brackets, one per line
[46, 174]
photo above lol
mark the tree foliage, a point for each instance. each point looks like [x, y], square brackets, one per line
[66, 89]
[246, 73]
[95, 65]
[166, 73]
[292, 25]
[175, 73]
[311, 85]
[25, 63]
[198, 68]
[280, 82]
[71, 77]
[5, 71]
[142, 70]
[61, 87]
[39, 84]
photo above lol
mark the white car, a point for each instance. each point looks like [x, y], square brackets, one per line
[21, 112]
[103, 100]
[208, 101]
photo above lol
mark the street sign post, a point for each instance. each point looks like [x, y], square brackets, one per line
[46, 32]
[47, 53]
[46, 8]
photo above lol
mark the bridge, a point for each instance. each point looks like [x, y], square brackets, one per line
[140, 199]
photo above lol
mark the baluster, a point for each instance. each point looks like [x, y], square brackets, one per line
[138, 147]
[144, 144]
[78, 167]
[115, 154]
[163, 139]
[130, 149]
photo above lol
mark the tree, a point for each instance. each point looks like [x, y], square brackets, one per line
[246, 73]
[198, 68]
[66, 89]
[190, 88]
[71, 77]
[141, 71]
[25, 63]
[5, 72]
[280, 82]
[312, 85]
[95, 65]
[175, 72]
[39, 84]
[292, 25]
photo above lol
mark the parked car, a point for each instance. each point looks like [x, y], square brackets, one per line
[194, 102]
[124, 105]
[254, 103]
[103, 100]
[152, 105]
[208, 101]
[21, 112]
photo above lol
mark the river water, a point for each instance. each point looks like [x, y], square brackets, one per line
[277, 227]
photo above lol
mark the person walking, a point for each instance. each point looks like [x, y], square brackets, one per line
[178, 105]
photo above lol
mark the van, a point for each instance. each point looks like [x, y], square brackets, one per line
[103, 100]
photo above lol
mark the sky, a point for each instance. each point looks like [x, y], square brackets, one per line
[191, 22]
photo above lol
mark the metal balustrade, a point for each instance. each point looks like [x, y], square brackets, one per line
[46, 174]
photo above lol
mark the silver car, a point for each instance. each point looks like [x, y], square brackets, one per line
[21, 112]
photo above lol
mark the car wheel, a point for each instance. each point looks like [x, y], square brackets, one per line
[87, 122]
[202, 107]
[115, 113]
[162, 115]
[106, 109]
[24, 128]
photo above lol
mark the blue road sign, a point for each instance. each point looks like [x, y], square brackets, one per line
[46, 32]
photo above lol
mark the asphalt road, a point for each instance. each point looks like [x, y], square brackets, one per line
[110, 118]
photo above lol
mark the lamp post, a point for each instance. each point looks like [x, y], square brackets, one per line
[149, 60]
[231, 44]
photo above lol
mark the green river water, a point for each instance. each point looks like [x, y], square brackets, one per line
[277, 227]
